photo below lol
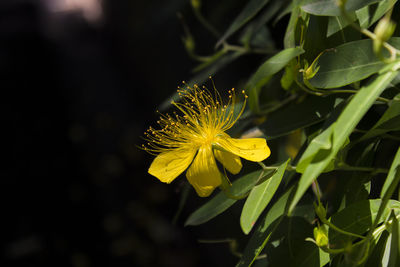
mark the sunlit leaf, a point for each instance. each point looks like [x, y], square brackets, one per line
[319, 155]
[259, 198]
[348, 63]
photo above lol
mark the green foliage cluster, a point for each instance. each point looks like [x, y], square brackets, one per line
[334, 88]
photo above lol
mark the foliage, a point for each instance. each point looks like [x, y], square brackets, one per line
[327, 96]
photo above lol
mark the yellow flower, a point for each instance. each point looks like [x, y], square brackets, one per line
[196, 137]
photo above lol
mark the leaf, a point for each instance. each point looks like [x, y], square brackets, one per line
[318, 155]
[338, 23]
[331, 8]
[388, 121]
[259, 198]
[265, 229]
[391, 255]
[220, 202]
[359, 217]
[348, 63]
[368, 15]
[248, 12]
[265, 72]
[298, 115]
[319, 147]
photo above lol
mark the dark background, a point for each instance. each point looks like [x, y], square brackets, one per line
[79, 87]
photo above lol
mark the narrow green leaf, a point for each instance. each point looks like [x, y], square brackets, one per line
[339, 133]
[391, 255]
[331, 8]
[348, 63]
[248, 12]
[259, 198]
[220, 202]
[265, 72]
[265, 229]
[368, 16]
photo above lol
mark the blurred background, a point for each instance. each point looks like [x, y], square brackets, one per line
[80, 83]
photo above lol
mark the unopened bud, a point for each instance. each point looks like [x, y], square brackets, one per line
[321, 237]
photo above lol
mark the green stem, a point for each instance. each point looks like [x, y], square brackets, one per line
[344, 167]
[337, 229]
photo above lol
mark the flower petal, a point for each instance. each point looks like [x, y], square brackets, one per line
[253, 149]
[168, 165]
[230, 161]
[203, 174]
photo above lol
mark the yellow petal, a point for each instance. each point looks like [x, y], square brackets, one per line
[203, 174]
[230, 161]
[168, 165]
[253, 149]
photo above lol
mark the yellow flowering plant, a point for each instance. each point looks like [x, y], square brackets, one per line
[333, 126]
[197, 136]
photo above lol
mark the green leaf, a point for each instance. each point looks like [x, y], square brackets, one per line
[331, 8]
[338, 23]
[319, 148]
[310, 111]
[368, 15]
[259, 198]
[359, 217]
[348, 63]
[388, 122]
[220, 202]
[265, 229]
[394, 174]
[248, 12]
[391, 255]
[318, 155]
[265, 72]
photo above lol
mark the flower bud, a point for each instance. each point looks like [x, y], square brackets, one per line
[321, 237]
